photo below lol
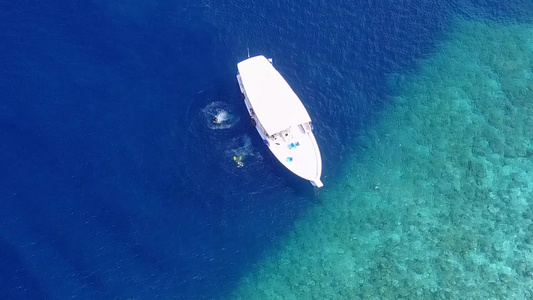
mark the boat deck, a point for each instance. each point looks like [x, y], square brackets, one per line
[280, 118]
[296, 149]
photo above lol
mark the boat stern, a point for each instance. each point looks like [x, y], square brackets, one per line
[317, 183]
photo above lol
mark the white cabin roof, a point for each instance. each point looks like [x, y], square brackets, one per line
[274, 102]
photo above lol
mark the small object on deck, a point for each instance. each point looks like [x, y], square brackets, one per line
[293, 145]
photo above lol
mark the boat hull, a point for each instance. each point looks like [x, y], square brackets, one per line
[295, 147]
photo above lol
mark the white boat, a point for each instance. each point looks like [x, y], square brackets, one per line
[280, 118]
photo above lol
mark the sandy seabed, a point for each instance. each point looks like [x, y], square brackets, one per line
[437, 201]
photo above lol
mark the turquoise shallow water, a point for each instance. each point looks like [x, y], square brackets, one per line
[436, 202]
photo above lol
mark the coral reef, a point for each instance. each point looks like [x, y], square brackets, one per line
[437, 203]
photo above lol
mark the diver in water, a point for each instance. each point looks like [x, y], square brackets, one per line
[238, 161]
[220, 117]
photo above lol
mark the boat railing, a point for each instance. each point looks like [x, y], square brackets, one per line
[305, 128]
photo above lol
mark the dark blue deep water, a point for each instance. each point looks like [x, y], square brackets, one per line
[113, 183]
